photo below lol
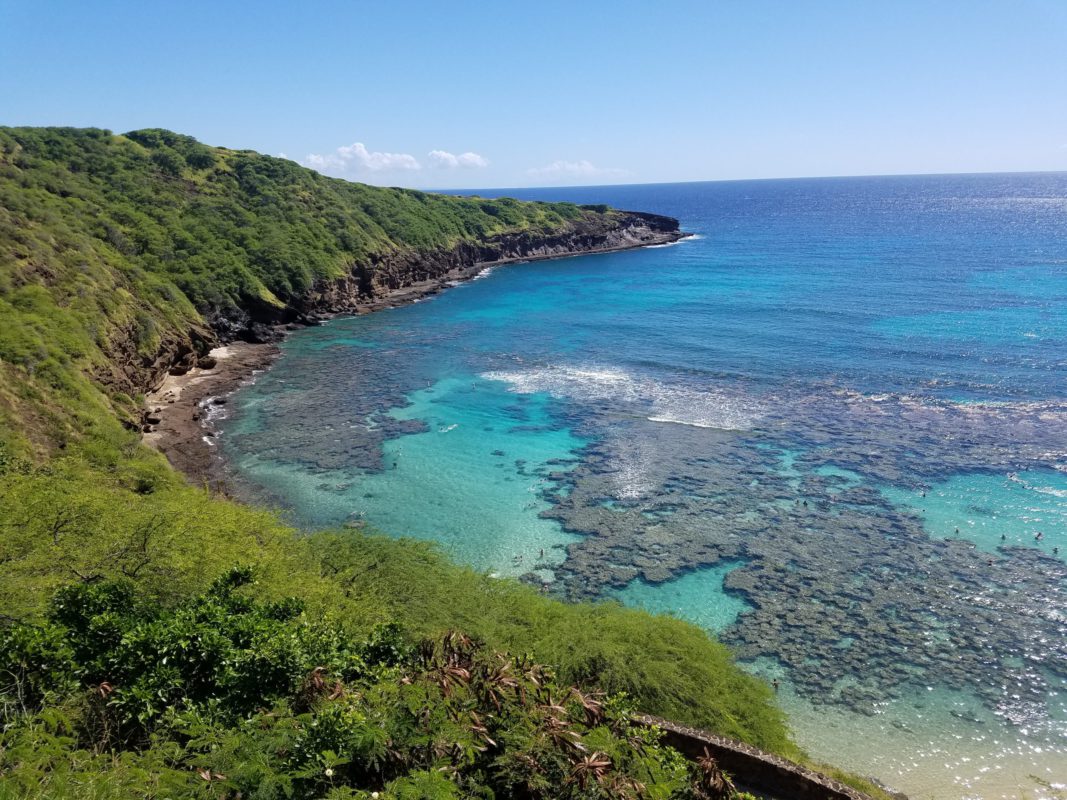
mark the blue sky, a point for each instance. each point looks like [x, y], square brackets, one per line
[472, 94]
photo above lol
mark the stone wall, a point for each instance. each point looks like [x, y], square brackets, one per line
[752, 769]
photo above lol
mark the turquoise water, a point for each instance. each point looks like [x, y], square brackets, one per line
[697, 596]
[995, 511]
[449, 483]
[773, 429]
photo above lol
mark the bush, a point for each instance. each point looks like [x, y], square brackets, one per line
[252, 699]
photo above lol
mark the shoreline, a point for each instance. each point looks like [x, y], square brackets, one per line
[177, 419]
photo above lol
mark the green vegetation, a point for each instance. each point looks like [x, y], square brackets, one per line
[127, 669]
[64, 521]
[117, 247]
[225, 696]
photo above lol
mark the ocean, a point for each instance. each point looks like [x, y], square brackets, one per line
[830, 426]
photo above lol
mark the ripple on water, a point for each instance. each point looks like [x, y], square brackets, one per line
[661, 401]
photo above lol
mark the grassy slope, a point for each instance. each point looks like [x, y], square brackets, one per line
[66, 521]
[137, 238]
[123, 244]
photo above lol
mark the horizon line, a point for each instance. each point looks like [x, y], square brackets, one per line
[732, 180]
[114, 132]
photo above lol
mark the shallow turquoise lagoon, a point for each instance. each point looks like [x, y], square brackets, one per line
[451, 483]
[995, 511]
[764, 403]
[697, 597]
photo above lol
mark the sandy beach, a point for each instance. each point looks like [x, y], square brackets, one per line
[178, 415]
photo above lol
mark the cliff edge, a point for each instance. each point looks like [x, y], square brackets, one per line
[127, 257]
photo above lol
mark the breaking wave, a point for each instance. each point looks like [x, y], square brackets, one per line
[656, 400]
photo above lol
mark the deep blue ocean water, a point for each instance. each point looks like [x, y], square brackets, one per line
[831, 427]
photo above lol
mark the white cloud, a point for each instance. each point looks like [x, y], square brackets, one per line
[357, 158]
[559, 170]
[442, 158]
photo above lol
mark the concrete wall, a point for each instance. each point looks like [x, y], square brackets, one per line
[752, 769]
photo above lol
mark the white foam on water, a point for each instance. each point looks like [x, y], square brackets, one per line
[596, 385]
[689, 237]
[1047, 490]
[579, 383]
[706, 408]
[632, 475]
[657, 401]
[212, 412]
[681, 422]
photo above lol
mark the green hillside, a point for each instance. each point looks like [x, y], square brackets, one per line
[116, 251]
[135, 660]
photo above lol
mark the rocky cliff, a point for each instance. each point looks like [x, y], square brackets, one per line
[125, 257]
[403, 274]
[390, 278]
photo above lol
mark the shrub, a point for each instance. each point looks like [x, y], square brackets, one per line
[223, 691]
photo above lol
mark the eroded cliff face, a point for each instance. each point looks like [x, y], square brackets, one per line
[398, 270]
[373, 282]
[385, 279]
[131, 371]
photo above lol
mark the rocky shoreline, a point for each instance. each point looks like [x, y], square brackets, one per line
[178, 414]
[178, 417]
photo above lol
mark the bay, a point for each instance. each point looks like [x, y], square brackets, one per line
[806, 427]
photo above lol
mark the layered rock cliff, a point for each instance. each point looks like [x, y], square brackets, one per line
[392, 273]
[125, 257]
[383, 279]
